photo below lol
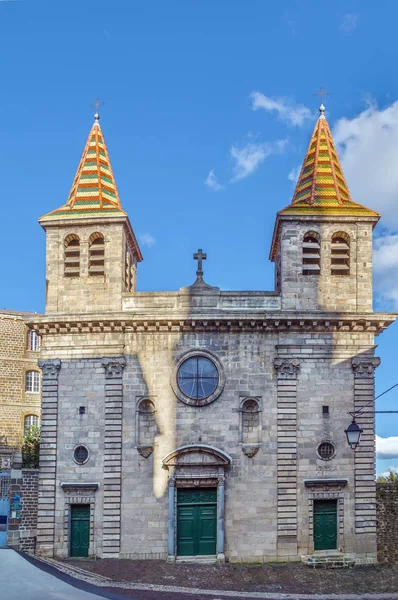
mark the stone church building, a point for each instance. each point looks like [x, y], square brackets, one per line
[204, 422]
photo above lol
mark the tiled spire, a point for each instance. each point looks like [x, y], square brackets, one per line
[94, 192]
[321, 187]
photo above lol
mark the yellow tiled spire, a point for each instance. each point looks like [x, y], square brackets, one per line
[94, 192]
[321, 187]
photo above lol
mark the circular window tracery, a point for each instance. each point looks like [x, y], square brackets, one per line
[80, 454]
[326, 450]
[198, 378]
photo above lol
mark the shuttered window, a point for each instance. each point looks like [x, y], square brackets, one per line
[311, 254]
[340, 254]
[96, 264]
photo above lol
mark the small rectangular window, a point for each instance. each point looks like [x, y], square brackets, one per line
[32, 382]
[33, 341]
[325, 410]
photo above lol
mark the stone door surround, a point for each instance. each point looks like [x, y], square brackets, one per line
[197, 465]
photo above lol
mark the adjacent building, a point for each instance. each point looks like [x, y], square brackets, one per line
[204, 422]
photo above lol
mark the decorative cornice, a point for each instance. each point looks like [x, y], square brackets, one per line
[326, 483]
[79, 485]
[373, 323]
[114, 367]
[50, 368]
[287, 368]
[364, 367]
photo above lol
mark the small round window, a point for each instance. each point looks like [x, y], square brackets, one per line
[197, 377]
[80, 454]
[326, 450]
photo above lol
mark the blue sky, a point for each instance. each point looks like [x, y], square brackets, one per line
[178, 79]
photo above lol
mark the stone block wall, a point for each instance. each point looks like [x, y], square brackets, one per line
[326, 292]
[15, 361]
[387, 522]
[22, 525]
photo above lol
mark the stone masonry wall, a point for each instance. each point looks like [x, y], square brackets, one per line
[252, 519]
[387, 522]
[22, 525]
[326, 292]
[15, 361]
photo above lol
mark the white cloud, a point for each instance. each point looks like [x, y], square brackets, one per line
[212, 182]
[249, 157]
[385, 262]
[349, 22]
[286, 109]
[294, 174]
[368, 147]
[387, 447]
[147, 239]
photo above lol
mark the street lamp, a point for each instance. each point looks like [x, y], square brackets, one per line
[353, 433]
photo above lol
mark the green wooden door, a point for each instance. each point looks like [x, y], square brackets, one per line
[196, 521]
[325, 524]
[80, 530]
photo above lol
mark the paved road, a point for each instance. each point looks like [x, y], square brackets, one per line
[21, 580]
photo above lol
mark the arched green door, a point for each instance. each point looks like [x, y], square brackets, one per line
[325, 524]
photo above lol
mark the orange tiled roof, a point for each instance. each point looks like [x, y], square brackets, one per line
[321, 187]
[94, 192]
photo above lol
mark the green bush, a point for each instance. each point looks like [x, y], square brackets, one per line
[31, 449]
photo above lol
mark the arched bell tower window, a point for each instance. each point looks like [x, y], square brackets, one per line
[311, 253]
[72, 256]
[340, 254]
[96, 264]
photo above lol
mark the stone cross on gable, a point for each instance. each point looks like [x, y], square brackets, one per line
[199, 256]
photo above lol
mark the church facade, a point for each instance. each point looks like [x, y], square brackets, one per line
[204, 422]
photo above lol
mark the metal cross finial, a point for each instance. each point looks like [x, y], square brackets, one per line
[322, 93]
[199, 256]
[97, 105]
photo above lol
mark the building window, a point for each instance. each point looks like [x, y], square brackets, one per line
[33, 341]
[72, 256]
[340, 254]
[80, 455]
[30, 421]
[311, 253]
[32, 382]
[326, 450]
[96, 264]
[197, 377]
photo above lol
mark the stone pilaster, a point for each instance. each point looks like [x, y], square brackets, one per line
[287, 371]
[48, 457]
[365, 485]
[113, 455]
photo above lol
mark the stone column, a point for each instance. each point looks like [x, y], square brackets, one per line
[221, 519]
[287, 371]
[48, 457]
[111, 516]
[172, 526]
[364, 457]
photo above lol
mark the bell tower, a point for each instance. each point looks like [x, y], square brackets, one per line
[322, 241]
[91, 249]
